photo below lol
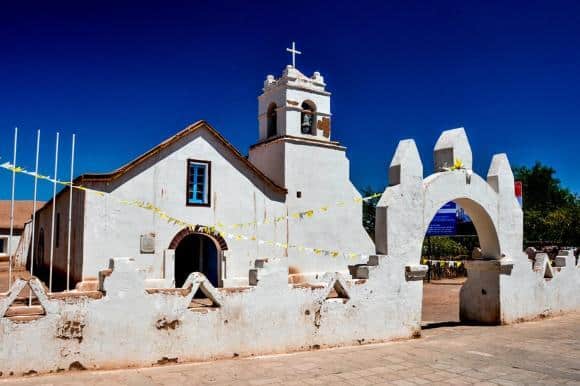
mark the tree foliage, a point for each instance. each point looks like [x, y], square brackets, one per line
[369, 209]
[551, 212]
[443, 246]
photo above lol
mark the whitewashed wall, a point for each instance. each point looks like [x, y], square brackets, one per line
[321, 174]
[501, 287]
[44, 222]
[114, 229]
[130, 326]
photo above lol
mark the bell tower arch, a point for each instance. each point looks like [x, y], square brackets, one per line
[300, 105]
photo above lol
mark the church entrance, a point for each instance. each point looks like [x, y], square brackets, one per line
[197, 252]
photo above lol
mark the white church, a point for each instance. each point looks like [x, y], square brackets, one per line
[198, 176]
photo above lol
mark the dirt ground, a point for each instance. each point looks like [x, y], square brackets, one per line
[441, 300]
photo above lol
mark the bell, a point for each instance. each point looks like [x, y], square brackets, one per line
[306, 123]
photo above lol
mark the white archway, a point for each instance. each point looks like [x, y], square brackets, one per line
[410, 202]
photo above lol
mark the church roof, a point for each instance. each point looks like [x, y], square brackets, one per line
[108, 177]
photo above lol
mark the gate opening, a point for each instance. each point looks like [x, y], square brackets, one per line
[450, 241]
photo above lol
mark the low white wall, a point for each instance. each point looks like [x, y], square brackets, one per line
[527, 294]
[130, 326]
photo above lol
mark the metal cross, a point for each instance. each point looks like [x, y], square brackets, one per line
[294, 51]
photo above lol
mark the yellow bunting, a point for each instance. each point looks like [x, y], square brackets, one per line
[457, 164]
[218, 228]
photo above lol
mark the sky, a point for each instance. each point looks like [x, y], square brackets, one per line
[123, 76]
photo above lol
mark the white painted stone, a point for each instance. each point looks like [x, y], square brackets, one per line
[502, 287]
[452, 146]
[401, 200]
[130, 326]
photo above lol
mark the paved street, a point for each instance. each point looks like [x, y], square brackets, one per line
[540, 352]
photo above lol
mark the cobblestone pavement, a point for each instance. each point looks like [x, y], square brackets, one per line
[540, 352]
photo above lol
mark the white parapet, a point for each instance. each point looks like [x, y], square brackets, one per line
[452, 146]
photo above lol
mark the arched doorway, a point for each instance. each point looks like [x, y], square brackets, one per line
[198, 252]
[409, 203]
[459, 232]
[458, 291]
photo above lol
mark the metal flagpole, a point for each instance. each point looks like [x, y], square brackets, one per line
[34, 212]
[53, 212]
[72, 164]
[10, 257]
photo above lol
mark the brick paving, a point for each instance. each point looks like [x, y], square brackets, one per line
[545, 352]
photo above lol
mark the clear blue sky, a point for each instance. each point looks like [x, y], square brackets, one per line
[126, 75]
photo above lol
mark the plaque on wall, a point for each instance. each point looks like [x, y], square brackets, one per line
[148, 243]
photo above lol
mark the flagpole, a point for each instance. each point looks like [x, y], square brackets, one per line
[55, 177]
[10, 257]
[34, 212]
[72, 164]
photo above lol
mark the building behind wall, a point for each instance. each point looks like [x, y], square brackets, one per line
[22, 213]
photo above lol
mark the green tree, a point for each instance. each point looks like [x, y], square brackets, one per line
[442, 246]
[369, 210]
[551, 212]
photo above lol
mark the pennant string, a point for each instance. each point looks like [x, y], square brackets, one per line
[219, 227]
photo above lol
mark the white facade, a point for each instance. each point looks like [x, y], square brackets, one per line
[286, 173]
[236, 196]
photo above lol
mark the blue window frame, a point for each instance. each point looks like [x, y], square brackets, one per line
[198, 182]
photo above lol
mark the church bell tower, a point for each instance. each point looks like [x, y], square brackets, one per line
[293, 113]
[295, 150]
[294, 105]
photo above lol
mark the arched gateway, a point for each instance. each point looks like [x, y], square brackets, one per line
[410, 203]
[197, 251]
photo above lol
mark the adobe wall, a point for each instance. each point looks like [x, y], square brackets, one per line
[503, 286]
[128, 325]
[114, 229]
[44, 223]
